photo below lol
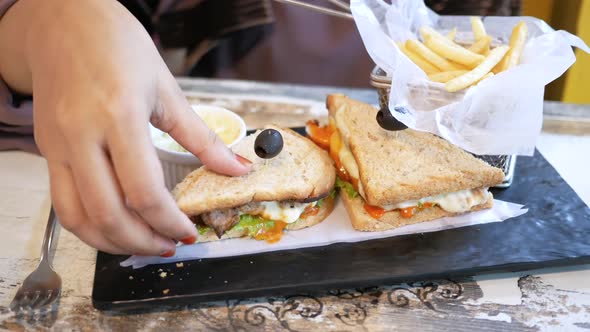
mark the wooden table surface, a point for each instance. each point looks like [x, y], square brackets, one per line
[542, 300]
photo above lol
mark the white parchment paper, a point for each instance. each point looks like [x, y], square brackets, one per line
[334, 229]
[503, 114]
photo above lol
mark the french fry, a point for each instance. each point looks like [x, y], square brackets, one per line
[426, 66]
[481, 46]
[488, 75]
[517, 42]
[446, 76]
[452, 34]
[469, 78]
[427, 32]
[479, 31]
[435, 59]
[454, 52]
[460, 66]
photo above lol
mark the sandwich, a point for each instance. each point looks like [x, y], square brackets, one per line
[291, 190]
[394, 178]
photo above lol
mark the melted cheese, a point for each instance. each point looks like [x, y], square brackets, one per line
[345, 155]
[457, 202]
[288, 212]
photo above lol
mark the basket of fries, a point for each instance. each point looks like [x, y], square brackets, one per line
[506, 163]
[475, 82]
[452, 66]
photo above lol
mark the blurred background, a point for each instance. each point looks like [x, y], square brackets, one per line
[268, 41]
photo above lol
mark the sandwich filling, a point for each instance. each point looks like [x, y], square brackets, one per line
[261, 220]
[348, 176]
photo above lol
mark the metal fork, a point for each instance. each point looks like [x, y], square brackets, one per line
[43, 286]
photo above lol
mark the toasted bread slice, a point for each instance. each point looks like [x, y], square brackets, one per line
[362, 221]
[405, 165]
[300, 172]
[323, 213]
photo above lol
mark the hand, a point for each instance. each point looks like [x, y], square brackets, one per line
[97, 81]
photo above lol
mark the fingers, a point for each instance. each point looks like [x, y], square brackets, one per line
[176, 117]
[140, 174]
[71, 213]
[102, 199]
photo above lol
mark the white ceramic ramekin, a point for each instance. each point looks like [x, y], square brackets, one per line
[177, 165]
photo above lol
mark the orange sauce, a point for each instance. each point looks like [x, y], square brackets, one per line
[407, 212]
[310, 211]
[374, 211]
[273, 234]
[320, 135]
[378, 212]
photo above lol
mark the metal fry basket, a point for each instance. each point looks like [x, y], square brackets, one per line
[382, 83]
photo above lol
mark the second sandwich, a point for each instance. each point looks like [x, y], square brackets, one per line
[395, 178]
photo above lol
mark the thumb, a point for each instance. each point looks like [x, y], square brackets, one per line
[175, 117]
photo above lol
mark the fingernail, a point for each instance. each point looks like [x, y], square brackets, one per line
[169, 253]
[189, 240]
[243, 160]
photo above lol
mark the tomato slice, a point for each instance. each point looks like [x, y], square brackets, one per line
[320, 135]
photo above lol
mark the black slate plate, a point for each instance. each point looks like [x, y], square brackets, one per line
[555, 231]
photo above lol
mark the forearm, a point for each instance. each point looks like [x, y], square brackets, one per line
[45, 37]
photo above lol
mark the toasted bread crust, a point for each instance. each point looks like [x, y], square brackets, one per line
[324, 212]
[362, 221]
[300, 172]
[406, 165]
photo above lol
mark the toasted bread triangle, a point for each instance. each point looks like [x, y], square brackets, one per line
[301, 171]
[405, 165]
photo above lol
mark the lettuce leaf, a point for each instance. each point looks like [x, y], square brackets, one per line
[202, 229]
[347, 187]
[253, 224]
[321, 201]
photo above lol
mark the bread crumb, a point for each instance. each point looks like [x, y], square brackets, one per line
[225, 281]
[179, 265]
[163, 275]
[251, 262]
[165, 291]
[130, 277]
[160, 270]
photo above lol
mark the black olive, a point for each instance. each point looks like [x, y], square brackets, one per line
[388, 122]
[268, 144]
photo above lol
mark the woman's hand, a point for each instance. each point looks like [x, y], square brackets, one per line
[97, 80]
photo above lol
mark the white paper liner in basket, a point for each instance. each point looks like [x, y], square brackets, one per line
[334, 229]
[502, 115]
